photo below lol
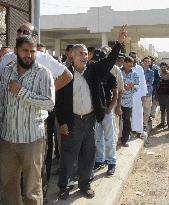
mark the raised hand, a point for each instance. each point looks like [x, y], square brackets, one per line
[122, 34]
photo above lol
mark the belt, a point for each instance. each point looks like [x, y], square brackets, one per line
[86, 116]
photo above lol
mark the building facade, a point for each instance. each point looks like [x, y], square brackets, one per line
[12, 14]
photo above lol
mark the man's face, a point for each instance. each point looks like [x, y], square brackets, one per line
[26, 30]
[80, 57]
[120, 62]
[41, 49]
[26, 55]
[69, 54]
[127, 66]
[90, 55]
[147, 63]
[163, 68]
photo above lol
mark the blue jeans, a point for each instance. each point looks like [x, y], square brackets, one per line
[105, 140]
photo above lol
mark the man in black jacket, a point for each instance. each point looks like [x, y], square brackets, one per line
[78, 105]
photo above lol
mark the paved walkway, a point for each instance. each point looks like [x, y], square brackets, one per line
[107, 189]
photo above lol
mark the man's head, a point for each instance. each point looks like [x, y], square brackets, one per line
[153, 59]
[41, 47]
[163, 67]
[128, 63]
[68, 52]
[79, 56]
[91, 51]
[26, 51]
[106, 50]
[146, 62]
[120, 61]
[134, 56]
[27, 29]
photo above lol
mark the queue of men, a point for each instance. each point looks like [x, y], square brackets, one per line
[95, 91]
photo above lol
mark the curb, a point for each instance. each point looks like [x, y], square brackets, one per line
[107, 189]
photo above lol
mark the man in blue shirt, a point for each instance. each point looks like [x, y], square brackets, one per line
[147, 103]
[156, 85]
[131, 82]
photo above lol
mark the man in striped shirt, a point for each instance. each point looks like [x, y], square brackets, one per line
[27, 92]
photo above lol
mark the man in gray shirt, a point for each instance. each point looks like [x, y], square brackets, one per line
[27, 92]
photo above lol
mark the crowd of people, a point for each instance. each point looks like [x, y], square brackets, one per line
[76, 108]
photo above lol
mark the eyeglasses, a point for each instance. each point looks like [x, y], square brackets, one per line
[27, 32]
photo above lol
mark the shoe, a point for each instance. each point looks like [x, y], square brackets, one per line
[97, 166]
[111, 169]
[161, 125]
[124, 144]
[63, 194]
[89, 193]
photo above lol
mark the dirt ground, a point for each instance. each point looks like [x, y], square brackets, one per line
[149, 182]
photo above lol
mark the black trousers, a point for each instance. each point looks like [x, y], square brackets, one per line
[80, 143]
[51, 131]
[126, 116]
[164, 107]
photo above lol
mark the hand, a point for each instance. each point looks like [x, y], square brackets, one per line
[122, 34]
[108, 110]
[131, 85]
[118, 111]
[14, 87]
[143, 100]
[64, 129]
[127, 87]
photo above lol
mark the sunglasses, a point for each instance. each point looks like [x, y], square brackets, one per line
[27, 32]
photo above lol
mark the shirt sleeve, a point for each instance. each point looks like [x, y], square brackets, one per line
[45, 100]
[112, 81]
[52, 64]
[7, 59]
[119, 77]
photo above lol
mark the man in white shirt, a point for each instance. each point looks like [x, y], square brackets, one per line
[77, 105]
[138, 98]
[60, 73]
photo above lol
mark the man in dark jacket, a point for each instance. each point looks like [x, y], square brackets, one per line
[78, 105]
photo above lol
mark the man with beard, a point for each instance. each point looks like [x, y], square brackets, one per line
[27, 92]
[60, 73]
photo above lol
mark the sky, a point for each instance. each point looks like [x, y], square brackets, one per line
[56, 7]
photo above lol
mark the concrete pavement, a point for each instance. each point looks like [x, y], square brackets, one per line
[107, 189]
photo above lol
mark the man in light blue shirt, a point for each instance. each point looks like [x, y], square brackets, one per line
[131, 82]
[147, 104]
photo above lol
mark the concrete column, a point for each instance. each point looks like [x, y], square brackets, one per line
[57, 47]
[37, 16]
[104, 39]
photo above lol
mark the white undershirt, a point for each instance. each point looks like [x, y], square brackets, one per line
[82, 102]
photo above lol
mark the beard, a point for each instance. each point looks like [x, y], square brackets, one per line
[24, 65]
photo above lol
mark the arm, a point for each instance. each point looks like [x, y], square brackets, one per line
[60, 73]
[7, 59]
[118, 107]
[114, 100]
[104, 66]
[63, 79]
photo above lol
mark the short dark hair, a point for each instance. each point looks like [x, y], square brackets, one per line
[145, 58]
[25, 39]
[91, 49]
[132, 52]
[128, 59]
[163, 64]
[41, 45]
[69, 47]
